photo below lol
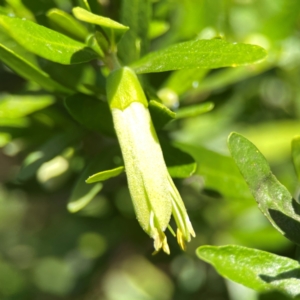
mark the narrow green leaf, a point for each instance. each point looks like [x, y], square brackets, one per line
[45, 42]
[112, 29]
[136, 14]
[207, 54]
[194, 110]
[259, 270]
[179, 163]
[160, 114]
[274, 200]
[17, 106]
[104, 175]
[296, 154]
[66, 24]
[90, 112]
[82, 193]
[24, 64]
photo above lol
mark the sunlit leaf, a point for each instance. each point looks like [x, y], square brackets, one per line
[207, 54]
[274, 200]
[113, 29]
[45, 42]
[24, 64]
[253, 268]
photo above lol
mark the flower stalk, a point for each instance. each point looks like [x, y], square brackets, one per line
[154, 195]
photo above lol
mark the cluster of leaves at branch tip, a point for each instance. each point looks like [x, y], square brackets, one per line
[154, 195]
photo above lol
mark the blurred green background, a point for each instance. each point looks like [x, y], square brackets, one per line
[100, 252]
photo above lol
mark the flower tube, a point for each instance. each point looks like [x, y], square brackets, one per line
[152, 190]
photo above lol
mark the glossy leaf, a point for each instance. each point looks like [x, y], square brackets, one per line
[296, 154]
[259, 270]
[160, 114]
[24, 64]
[207, 54]
[17, 106]
[45, 42]
[113, 29]
[104, 175]
[179, 163]
[219, 172]
[136, 14]
[90, 112]
[194, 110]
[274, 200]
[66, 24]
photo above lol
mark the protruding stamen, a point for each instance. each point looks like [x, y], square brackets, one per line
[180, 239]
[160, 239]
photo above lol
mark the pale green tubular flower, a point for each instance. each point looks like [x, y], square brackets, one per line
[152, 190]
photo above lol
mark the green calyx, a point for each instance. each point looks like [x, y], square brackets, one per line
[124, 88]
